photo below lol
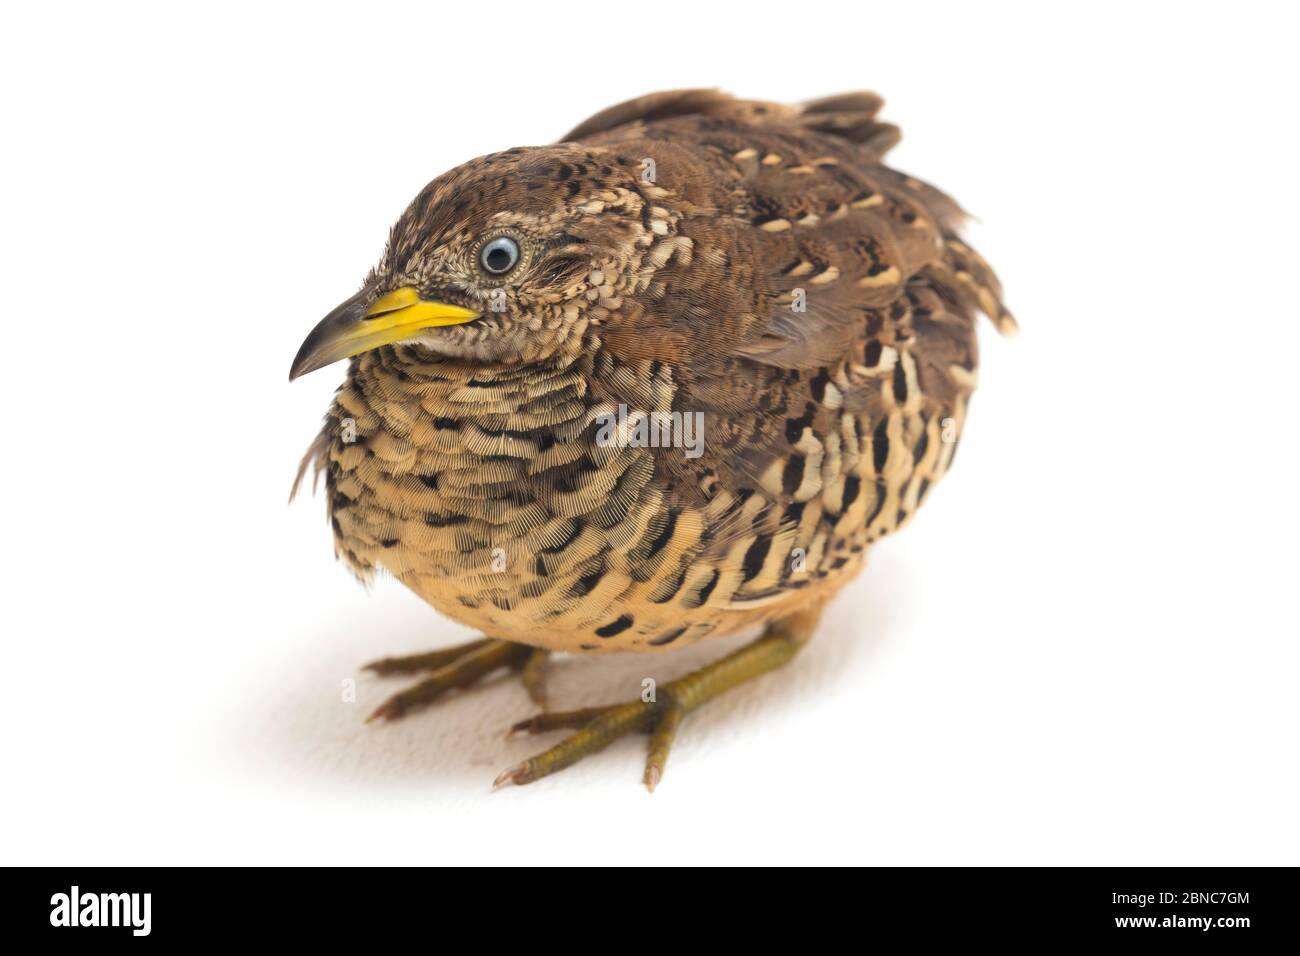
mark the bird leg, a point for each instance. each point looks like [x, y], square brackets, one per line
[431, 661]
[597, 727]
[534, 675]
[458, 667]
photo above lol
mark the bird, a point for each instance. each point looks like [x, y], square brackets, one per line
[665, 380]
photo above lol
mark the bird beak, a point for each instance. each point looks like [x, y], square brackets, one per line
[359, 325]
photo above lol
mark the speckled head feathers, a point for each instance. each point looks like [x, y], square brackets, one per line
[573, 212]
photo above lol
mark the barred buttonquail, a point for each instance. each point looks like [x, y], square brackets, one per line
[663, 380]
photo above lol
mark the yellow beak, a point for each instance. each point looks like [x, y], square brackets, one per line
[359, 325]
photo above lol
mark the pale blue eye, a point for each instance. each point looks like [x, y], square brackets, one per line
[499, 256]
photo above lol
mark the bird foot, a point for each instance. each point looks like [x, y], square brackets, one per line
[597, 727]
[459, 667]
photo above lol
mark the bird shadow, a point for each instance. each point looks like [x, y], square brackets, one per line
[307, 725]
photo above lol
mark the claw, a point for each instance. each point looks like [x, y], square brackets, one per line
[510, 776]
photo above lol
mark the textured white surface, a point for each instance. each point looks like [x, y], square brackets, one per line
[1084, 650]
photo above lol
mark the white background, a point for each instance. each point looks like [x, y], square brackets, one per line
[1083, 651]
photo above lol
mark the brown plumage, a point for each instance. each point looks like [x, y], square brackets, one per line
[747, 267]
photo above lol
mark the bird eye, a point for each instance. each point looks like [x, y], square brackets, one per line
[500, 255]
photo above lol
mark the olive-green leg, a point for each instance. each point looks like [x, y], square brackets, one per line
[458, 667]
[534, 675]
[601, 726]
[431, 661]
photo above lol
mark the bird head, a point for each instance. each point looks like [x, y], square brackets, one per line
[504, 260]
